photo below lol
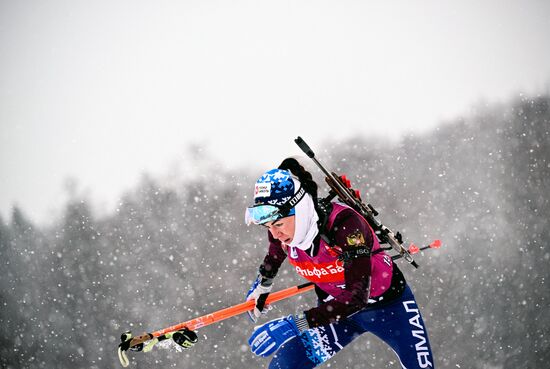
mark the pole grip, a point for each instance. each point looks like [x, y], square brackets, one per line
[304, 146]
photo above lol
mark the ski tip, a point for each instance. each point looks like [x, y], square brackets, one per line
[436, 244]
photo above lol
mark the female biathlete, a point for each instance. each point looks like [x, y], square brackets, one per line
[359, 287]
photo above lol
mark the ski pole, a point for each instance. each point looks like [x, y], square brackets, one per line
[231, 311]
[205, 320]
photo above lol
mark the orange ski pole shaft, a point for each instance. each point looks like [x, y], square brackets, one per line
[235, 310]
[223, 314]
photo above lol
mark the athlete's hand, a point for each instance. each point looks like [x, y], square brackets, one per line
[185, 337]
[259, 291]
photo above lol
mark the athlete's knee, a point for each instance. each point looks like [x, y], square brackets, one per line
[281, 361]
[291, 355]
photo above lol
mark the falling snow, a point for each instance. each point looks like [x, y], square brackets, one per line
[172, 252]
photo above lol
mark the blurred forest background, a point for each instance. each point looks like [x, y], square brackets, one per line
[173, 251]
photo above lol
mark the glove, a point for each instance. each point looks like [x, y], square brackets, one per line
[259, 291]
[126, 339]
[185, 338]
[267, 338]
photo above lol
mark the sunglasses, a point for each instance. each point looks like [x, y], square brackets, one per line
[263, 213]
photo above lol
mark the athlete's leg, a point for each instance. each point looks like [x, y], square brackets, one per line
[315, 346]
[400, 325]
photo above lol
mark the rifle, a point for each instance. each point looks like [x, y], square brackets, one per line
[340, 187]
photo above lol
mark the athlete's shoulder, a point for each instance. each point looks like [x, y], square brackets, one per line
[350, 229]
[344, 214]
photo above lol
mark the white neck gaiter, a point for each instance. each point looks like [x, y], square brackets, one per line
[305, 222]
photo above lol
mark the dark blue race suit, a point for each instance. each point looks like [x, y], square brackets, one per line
[399, 324]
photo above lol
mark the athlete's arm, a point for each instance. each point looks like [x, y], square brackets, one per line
[274, 258]
[350, 232]
[263, 284]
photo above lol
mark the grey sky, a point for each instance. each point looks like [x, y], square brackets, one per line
[104, 90]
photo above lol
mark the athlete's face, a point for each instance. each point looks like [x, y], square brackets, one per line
[282, 229]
